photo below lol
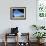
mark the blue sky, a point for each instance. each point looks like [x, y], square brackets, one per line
[18, 13]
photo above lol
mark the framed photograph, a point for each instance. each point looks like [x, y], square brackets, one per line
[41, 9]
[41, 12]
[18, 13]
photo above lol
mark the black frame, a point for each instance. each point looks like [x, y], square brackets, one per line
[19, 18]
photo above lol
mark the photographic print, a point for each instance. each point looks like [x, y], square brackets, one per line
[17, 13]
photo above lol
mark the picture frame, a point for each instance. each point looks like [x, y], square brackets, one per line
[41, 12]
[18, 13]
[41, 9]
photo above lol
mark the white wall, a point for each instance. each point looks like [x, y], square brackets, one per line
[24, 25]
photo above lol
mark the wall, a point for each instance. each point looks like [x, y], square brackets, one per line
[24, 25]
